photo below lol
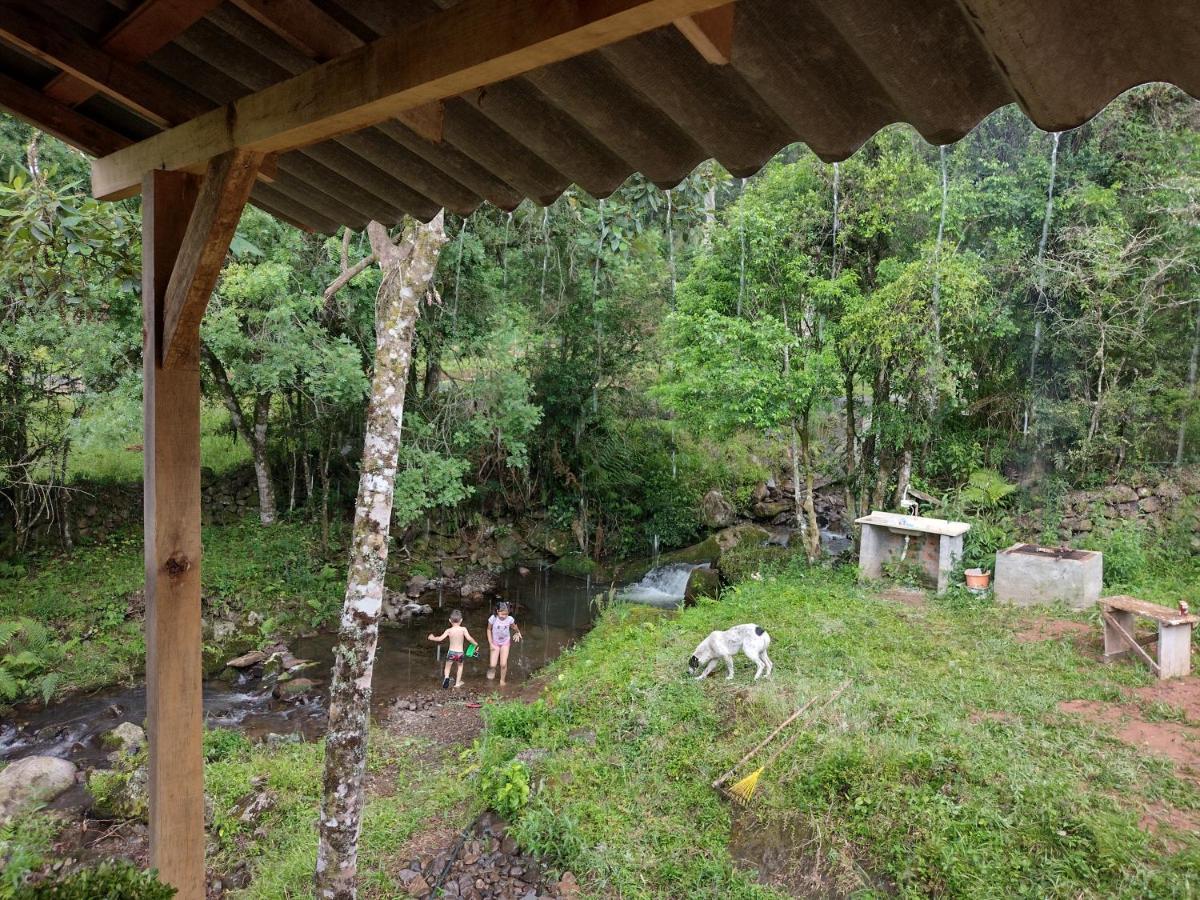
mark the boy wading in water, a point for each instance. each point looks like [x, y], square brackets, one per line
[502, 631]
[459, 638]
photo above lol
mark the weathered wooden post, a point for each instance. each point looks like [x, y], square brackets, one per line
[187, 224]
[172, 531]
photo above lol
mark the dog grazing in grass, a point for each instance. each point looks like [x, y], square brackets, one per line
[751, 639]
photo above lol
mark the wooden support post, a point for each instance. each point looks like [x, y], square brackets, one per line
[1120, 626]
[172, 534]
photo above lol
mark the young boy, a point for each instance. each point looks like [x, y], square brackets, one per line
[502, 630]
[459, 638]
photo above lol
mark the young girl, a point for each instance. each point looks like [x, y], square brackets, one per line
[502, 630]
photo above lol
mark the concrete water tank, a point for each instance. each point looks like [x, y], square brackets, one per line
[1027, 574]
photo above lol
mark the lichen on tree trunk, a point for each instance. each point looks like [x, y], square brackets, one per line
[407, 266]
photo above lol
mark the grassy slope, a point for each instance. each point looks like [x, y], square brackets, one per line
[904, 780]
[86, 595]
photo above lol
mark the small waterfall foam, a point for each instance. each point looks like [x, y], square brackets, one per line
[662, 586]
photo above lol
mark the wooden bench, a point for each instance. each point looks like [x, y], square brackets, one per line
[1174, 633]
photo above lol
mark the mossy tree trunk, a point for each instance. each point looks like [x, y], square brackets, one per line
[407, 265]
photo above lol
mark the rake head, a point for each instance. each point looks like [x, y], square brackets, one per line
[744, 789]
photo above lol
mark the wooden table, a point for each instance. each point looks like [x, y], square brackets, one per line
[1174, 634]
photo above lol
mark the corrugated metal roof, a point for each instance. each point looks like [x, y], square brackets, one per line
[829, 73]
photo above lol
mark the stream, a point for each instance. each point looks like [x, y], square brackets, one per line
[552, 611]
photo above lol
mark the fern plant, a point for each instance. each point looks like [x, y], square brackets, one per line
[985, 490]
[29, 653]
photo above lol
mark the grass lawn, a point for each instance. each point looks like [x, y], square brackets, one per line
[946, 769]
[956, 764]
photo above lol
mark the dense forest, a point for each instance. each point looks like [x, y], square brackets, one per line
[1020, 301]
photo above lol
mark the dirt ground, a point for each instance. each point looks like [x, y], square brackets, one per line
[1162, 719]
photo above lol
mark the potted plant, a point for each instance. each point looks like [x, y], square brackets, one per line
[978, 579]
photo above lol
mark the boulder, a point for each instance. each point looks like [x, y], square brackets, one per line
[247, 660]
[780, 537]
[124, 740]
[1121, 493]
[293, 689]
[33, 780]
[703, 582]
[737, 534]
[1149, 504]
[1169, 491]
[121, 794]
[769, 509]
[716, 511]
[760, 492]
[416, 586]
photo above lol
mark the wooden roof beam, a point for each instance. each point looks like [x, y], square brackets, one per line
[54, 44]
[65, 123]
[711, 33]
[472, 44]
[149, 27]
[318, 35]
[223, 195]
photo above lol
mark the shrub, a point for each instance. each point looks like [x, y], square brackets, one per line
[505, 788]
[114, 880]
[224, 743]
[514, 720]
[1126, 550]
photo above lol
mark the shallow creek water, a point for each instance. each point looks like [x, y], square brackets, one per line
[551, 610]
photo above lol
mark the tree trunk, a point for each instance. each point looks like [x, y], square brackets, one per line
[407, 269]
[262, 463]
[1191, 391]
[851, 452]
[797, 494]
[812, 536]
[903, 478]
[254, 435]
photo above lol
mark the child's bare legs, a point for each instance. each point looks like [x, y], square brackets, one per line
[446, 672]
[504, 648]
[493, 656]
[459, 683]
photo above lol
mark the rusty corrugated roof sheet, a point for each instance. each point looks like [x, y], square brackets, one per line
[829, 73]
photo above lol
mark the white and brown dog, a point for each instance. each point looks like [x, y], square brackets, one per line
[751, 639]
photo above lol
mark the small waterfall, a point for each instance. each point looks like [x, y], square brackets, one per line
[1040, 299]
[654, 551]
[662, 585]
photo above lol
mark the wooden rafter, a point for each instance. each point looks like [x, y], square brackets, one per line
[210, 229]
[152, 25]
[62, 121]
[475, 43]
[711, 33]
[320, 36]
[52, 42]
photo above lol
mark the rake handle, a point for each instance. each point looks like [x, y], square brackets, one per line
[779, 750]
[770, 737]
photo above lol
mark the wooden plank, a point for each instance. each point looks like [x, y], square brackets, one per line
[210, 228]
[1110, 619]
[475, 43]
[171, 409]
[913, 524]
[711, 33]
[52, 43]
[320, 36]
[150, 27]
[1148, 610]
[58, 119]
